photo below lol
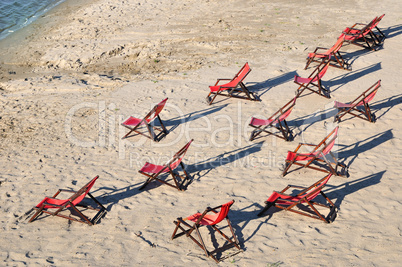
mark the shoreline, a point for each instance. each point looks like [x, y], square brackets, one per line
[41, 12]
[17, 42]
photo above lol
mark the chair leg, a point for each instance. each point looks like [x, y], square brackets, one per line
[287, 166]
[165, 131]
[202, 243]
[267, 206]
[151, 132]
[178, 226]
[150, 178]
[316, 211]
[236, 242]
[177, 185]
[37, 213]
[287, 135]
[257, 131]
[175, 229]
[213, 98]
[82, 216]
[129, 132]
[341, 61]
[309, 60]
[370, 116]
[225, 236]
[96, 201]
[336, 172]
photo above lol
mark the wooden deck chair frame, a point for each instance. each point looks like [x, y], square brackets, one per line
[332, 54]
[376, 38]
[304, 198]
[233, 90]
[313, 82]
[153, 171]
[187, 229]
[364, 36]
[380, 36]
[318, 155]
[277, 121]
[73, 202]
[361, 101]
[148, 121]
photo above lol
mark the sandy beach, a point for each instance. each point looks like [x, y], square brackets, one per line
[68, 80]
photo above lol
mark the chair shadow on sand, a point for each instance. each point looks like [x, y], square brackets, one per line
[175, 122]
[201, 168]
[340, 191]
[338, 82]
[385, 103]
[379, 108]
[352, 151]
[389, 32]
[265, 86]
[245, 215]
[309, 120]
[112, 195]
[392, 31]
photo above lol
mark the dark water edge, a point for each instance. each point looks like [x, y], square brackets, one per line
[29, 17]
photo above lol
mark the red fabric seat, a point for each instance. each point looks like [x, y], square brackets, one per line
[133, 123]
[233, 88]
[279, 118]
[318, 154]
[72, 202]
[209, 218]
[313, 81]
[305, 198]
[361, 101]
[152, 171]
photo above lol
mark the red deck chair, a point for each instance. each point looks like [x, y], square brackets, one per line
[364, 36]
[313, 82]
[153, 171]
[305, 198]
[277, 120]
[133, 124]
[332, 54]
[59, 205]
[361, 101]
[234, 88]
[317, 155]
[207, 219]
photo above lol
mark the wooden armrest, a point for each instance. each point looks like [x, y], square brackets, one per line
[297, 186]
[50, 204]
[63, 190]
[282, 193]
[183, 221]
[67, 190]
[217, 81]
[306, 144]
[322, 54]
[350, 34]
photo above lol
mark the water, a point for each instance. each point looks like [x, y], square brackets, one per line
[15, 14]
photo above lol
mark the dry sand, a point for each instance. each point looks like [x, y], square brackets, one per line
[69, 79]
